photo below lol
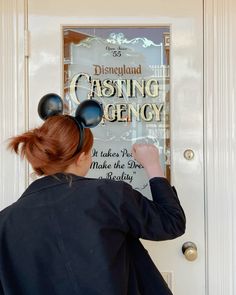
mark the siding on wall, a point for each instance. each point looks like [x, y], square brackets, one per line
[220, 144]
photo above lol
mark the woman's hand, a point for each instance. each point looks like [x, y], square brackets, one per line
[148, 156]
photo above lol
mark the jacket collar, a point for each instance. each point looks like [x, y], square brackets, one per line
[50, 181]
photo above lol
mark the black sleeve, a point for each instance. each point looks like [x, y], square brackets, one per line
[160, 219]
[1, 289]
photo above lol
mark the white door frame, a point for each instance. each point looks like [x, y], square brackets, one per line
[219, 128]
[220, 144]
[14, 101]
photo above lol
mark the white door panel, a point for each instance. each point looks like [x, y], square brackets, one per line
[46, 19]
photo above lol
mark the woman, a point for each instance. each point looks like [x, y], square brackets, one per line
[69, 234]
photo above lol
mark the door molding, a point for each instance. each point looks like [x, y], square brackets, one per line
[220, 144]
[13, 110]
[219, 126]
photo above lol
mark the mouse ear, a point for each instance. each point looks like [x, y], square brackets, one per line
[89, 113]
[49, 105]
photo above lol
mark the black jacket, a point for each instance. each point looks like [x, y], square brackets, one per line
[81, 236]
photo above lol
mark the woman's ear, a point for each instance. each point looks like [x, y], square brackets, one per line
[81, 158]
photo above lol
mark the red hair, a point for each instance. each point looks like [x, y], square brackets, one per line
[51, 148]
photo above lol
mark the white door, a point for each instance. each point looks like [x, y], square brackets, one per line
[184, 22]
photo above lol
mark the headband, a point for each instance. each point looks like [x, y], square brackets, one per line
[88, 114]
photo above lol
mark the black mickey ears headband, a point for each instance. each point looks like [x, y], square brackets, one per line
[88, 114]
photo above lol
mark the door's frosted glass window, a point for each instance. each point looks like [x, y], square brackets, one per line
[127, 70]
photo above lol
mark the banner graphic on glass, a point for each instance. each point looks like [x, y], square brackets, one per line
[127, 70]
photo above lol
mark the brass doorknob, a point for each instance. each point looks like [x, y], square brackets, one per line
[189, 250]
